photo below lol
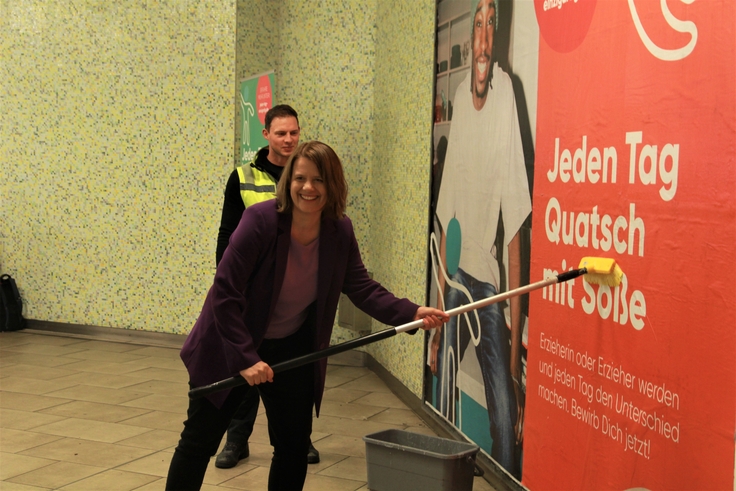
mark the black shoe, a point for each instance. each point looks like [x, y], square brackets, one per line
[312, 455]
[231, 454]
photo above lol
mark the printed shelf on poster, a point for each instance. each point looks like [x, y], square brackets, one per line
[449, 11]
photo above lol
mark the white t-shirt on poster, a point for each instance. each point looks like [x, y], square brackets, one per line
[484, 173]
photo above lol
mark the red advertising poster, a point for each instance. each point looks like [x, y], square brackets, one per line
[633, 387]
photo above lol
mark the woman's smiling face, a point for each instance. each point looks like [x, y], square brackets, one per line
[308, 190]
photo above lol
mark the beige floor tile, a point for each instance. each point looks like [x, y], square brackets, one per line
[28, 402]
[349, 372]
[165, 353]
[349, 410]
[208, 487]
[326, 460]
[338, 394]
[343, 445]
[57, 475]
[111, 380]
[348, 427]
[45, 349]
[336, 381]
[12, 465]
[91, 430]
[32, 371]
[422, 430]
[159, 420]
[13, 486]
[405, 417]
[253, 480]
[4, 362]
[112, 480]
[160, 402]
[153, 440]
[318, 435]
[101, 367]
[317, 482]
[260, 433]
[108, 413]
[153, 373]
[351, 468]
[103, 395]
[381, 399]
[87, 452]
[106, 356]
[91, 344]
[162, 387]
[480, 484]
[155, 362]
[118, 432]
[156, 464]
[50, 340]
[13, 358]
[16, 337]
[260, 455]
[159, 484]
[368, 383]
[15, 441]
[25, 420]
[32, 386]
[215, 476]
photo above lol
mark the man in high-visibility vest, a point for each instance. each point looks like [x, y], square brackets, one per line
[250, 184]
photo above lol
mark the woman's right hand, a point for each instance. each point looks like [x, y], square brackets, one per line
[434, 350]
[257, 374]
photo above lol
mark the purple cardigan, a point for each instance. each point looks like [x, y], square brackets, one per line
[239, 305]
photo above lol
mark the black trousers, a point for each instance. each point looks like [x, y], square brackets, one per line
[288, 401]
[241, 426]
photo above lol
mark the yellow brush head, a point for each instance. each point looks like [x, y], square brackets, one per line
[601, 271]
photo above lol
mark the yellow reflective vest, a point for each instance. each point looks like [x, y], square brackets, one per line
[255, 185]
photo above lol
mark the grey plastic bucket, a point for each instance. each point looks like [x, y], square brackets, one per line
[399, 460]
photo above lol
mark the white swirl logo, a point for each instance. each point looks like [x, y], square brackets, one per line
[676, 24]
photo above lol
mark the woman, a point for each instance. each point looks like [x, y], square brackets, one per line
[274, 298]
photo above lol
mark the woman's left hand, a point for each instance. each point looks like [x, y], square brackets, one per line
[257, 374]
[432, 317]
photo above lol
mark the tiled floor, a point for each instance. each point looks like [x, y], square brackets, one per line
[84, 414]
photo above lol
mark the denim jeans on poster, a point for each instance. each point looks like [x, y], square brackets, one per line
[493, 352]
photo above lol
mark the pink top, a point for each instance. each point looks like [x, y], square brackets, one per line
[298, 291]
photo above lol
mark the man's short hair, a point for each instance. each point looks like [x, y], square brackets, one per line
[280, 111]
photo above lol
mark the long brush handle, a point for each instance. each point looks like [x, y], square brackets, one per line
[568, 275]
[237, 380]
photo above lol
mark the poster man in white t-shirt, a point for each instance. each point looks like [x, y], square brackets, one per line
[484, 177]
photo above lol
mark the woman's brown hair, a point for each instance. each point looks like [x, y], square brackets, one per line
[329, 168]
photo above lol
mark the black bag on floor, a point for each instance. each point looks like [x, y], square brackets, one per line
[11, 305]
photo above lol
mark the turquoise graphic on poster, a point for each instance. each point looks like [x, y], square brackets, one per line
[255, 99]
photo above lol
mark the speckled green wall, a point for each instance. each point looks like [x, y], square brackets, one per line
[360, 75]
[363, 84]
[401, 168]
[121, 129]
[257, 36]
[327, 71]
[117, 134]
[329, 78]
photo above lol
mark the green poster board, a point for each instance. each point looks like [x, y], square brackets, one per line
[255, 99]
